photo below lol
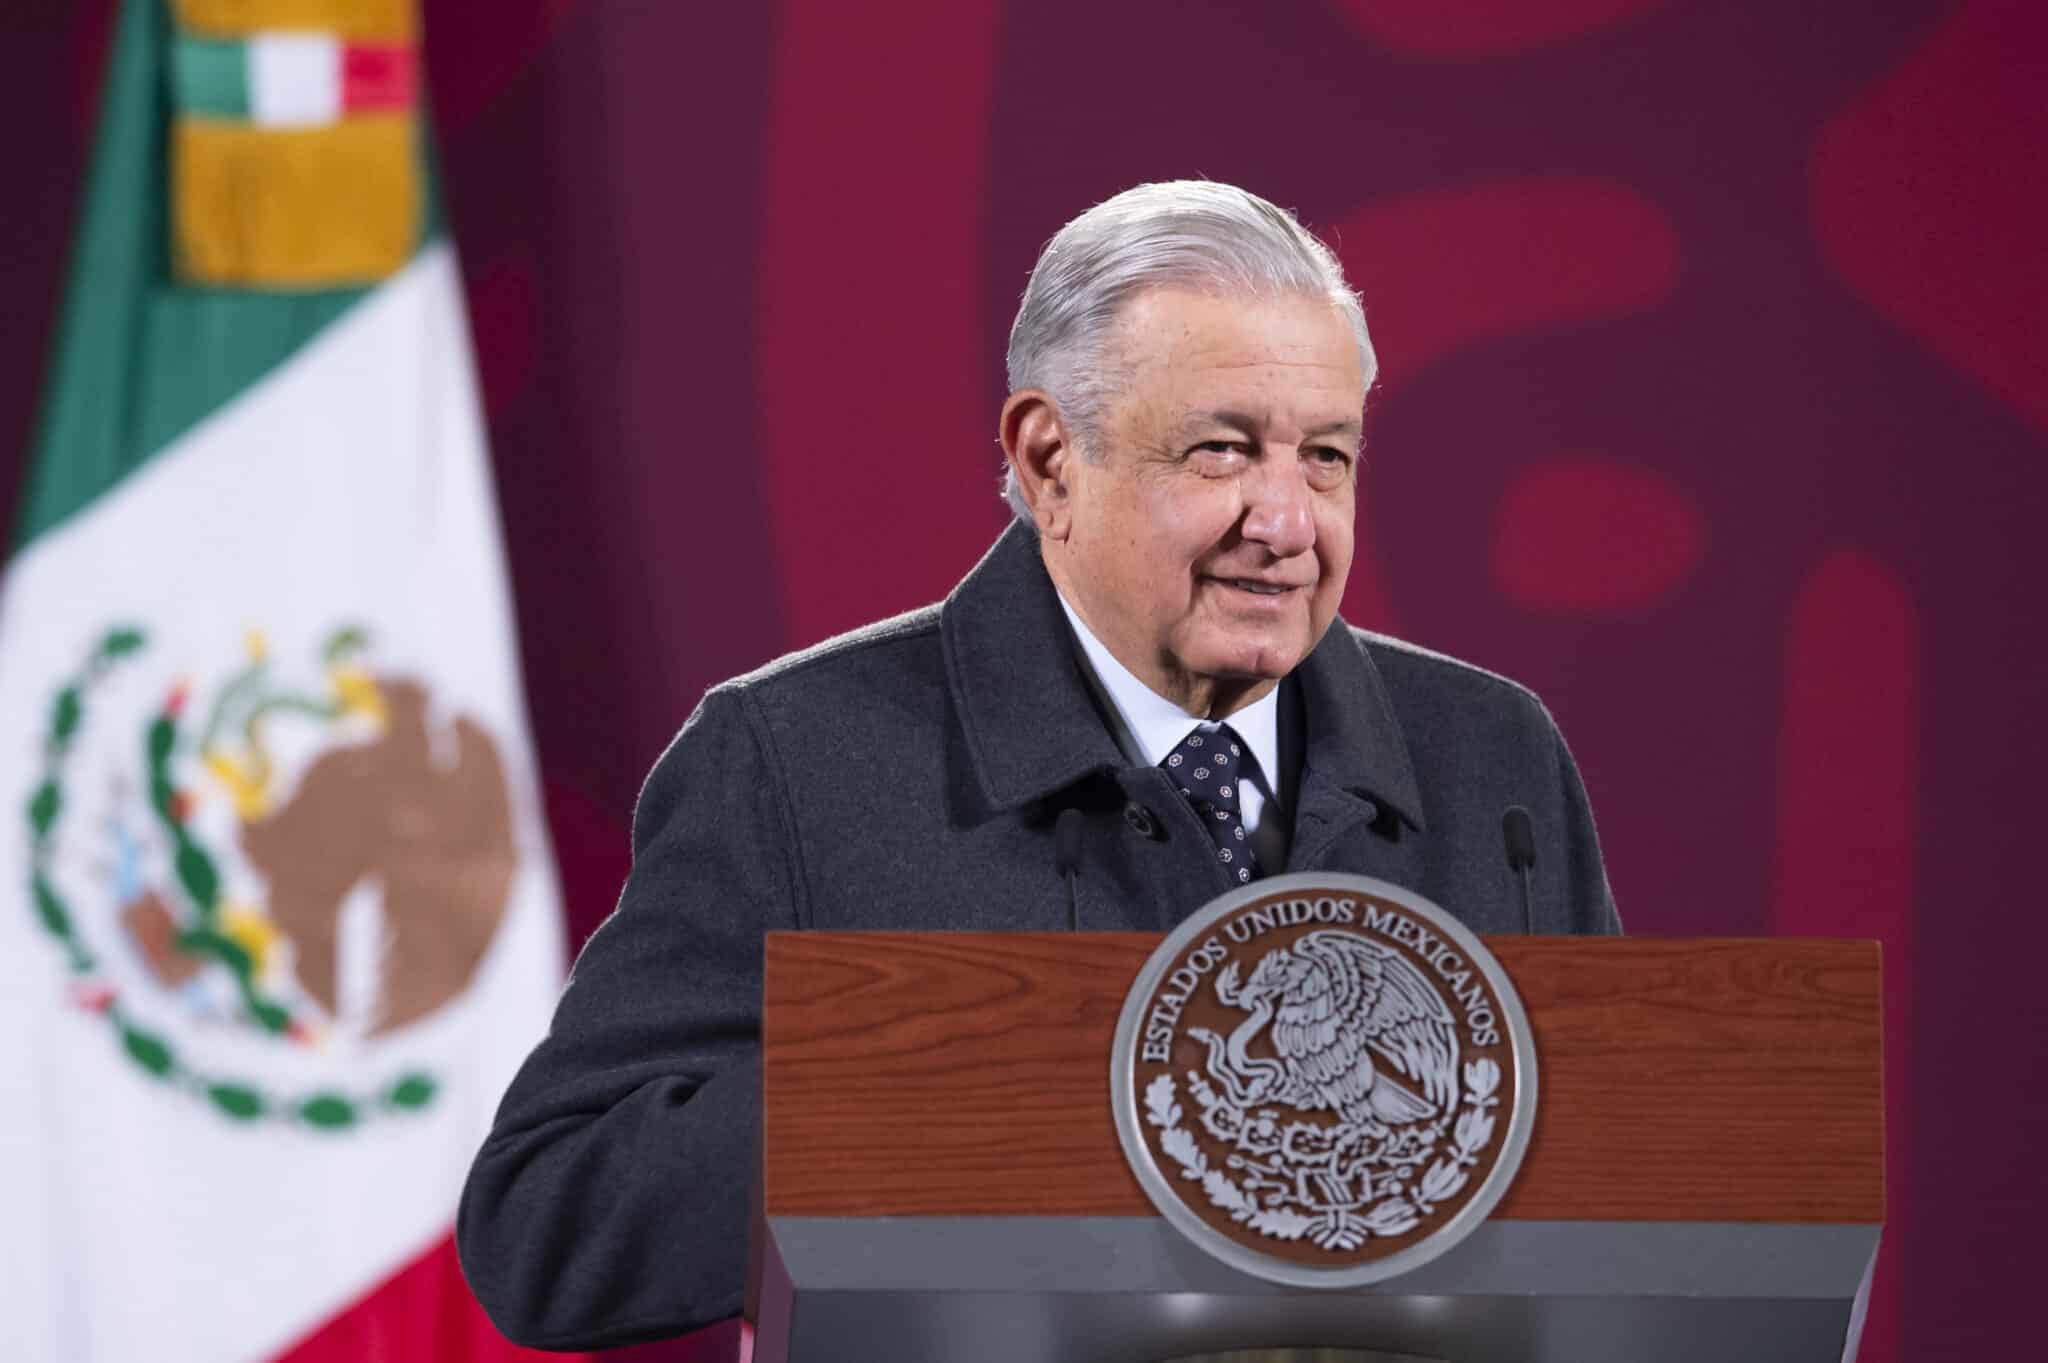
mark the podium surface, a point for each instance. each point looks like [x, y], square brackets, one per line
[942, 1178]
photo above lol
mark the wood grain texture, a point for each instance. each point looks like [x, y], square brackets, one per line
[933, 1074]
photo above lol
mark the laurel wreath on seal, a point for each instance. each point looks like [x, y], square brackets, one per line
[1394, 1216]
[199, 878]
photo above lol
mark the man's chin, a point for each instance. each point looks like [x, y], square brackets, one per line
[1251, 662]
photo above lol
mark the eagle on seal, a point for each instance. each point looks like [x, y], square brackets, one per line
[1335, 1002]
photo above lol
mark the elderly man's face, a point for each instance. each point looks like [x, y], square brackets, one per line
[1208, 546]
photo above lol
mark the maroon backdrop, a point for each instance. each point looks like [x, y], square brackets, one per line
[1714, 400]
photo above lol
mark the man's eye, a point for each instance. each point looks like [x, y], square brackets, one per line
[1214, 457]
[1328, 467]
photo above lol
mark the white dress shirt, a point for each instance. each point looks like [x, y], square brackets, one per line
[1151, 726]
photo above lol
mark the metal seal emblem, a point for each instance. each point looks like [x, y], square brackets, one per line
[1323, 1080]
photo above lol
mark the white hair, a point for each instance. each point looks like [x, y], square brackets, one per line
[1198, 235]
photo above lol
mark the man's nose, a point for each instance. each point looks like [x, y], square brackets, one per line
[1278, 509]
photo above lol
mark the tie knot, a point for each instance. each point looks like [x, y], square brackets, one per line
[1206, 766]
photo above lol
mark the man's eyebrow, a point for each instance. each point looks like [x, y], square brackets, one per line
[1241, 421]
[1222, 417]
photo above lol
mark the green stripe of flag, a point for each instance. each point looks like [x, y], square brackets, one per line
[139, 360]
[209, 77]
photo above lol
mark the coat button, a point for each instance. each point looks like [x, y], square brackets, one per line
[1141, 821]
[1371, 811]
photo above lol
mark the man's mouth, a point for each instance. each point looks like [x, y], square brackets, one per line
[1257, 588]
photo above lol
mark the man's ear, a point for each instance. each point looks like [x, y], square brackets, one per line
[1035, 444]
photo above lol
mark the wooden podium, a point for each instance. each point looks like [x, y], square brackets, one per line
[941, 1177]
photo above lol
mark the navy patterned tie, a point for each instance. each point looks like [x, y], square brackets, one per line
[1207, 768]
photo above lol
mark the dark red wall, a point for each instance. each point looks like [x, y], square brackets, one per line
[1713, 406]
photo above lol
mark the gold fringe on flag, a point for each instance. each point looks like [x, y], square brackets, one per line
[352, 20]
[335, 205]
[287, 208]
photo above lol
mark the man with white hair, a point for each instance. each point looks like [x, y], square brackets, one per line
[1182, 444]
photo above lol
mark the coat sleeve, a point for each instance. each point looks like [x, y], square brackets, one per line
[1589, 903]
[609, 1203]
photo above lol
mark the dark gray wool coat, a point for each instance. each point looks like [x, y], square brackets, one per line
[908, 776]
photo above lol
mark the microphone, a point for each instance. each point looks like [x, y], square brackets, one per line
[1520, 836]
[1066, 858]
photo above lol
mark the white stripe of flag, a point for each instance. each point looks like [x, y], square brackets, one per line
[294, 79]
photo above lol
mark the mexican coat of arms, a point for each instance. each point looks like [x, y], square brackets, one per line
[1324, 1080]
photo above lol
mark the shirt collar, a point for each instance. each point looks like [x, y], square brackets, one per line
[1157, 726]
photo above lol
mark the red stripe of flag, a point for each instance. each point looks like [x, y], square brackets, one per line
[423, 1311]
[377, 77]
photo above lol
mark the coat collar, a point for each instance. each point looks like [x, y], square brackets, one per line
[1031, 727]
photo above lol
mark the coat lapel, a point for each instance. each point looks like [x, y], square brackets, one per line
[1027, 720]
[1355, 766]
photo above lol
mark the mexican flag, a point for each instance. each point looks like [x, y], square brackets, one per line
[278, 918]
